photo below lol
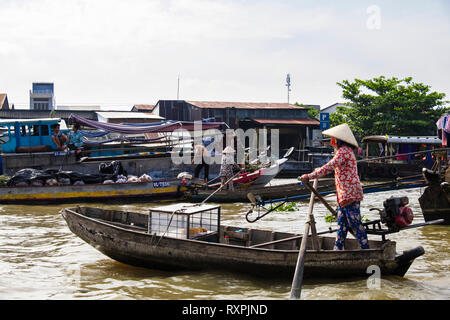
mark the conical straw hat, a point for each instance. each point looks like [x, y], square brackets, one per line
[228, 150]
[343, 133]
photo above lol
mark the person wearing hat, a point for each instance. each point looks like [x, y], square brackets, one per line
[348, 187]
[200, 155]
[226, 167]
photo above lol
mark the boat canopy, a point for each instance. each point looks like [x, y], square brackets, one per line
[33, 121]
[404, 139]
[145, 128]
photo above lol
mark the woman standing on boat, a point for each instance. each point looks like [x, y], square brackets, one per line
[227, 167]
[348, 187]
[202, 158]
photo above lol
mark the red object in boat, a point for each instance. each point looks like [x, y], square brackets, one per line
[405, 217]
[242, 178]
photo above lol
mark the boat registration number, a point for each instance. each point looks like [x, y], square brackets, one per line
[161, 184]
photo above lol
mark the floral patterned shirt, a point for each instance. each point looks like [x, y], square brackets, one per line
[348, 186]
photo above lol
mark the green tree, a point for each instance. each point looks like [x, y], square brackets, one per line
[390, 106]
[312, 112]
[338, 117]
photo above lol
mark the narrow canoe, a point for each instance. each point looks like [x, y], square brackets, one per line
[123, 236]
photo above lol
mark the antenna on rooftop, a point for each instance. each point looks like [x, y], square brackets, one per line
[178, 88]
[288, 85]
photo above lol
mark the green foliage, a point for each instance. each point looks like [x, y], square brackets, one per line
[289, 206]
[329, 218]
[312, 112]
[390, 106]
[4, 180]
[338, 117]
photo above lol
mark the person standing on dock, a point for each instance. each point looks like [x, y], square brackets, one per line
[348, 186]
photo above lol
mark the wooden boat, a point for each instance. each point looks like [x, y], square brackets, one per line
[400, 156]
[435, 199]
[92, 192]
[266, 192]
[124, 236]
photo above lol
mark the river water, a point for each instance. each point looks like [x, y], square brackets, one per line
[41, 259]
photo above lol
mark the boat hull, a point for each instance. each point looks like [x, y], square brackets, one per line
[266, 193]
[378, 170]
[435, 203]
[90, 192]
[136, 247]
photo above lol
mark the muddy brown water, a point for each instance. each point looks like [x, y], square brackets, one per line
[41, 259]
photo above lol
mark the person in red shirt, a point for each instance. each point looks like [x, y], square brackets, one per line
[348, 187]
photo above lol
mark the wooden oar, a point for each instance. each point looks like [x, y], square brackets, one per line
[319, 196]
[220, 188]
[296, 288]
[333, 212]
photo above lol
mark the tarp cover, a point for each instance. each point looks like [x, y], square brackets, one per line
[136, 129]
[107, 171]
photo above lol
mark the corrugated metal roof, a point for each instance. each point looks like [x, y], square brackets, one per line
[243, 105]
[287, 121]
[129, 115]
[2, 99]
[33, 120]
[148, 107]
[79, 108]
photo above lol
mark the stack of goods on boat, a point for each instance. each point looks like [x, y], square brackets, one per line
[108, 173]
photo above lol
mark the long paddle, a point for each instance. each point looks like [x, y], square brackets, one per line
[220, 188]
[296, 288]
[319, 196]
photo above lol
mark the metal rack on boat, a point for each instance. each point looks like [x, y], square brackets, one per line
[184, 220]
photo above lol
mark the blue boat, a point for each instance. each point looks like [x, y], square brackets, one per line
[29, 135]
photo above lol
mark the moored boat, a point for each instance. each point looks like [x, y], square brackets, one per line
[186, 236]
[396, 156]
[266, 192]
[435, 199]
[144, 191]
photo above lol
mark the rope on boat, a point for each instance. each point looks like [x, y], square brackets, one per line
[168, 225]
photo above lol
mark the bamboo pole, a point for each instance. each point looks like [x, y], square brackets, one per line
[319, 196]
[220, 188]
[297, 281]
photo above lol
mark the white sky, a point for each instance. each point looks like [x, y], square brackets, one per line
[120, 53]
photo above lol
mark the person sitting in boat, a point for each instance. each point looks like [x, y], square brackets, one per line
[348, 187]
[227, 166]
[76, 139]
[59, 138]
[201, 156]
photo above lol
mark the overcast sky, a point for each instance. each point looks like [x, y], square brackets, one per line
[120, 53]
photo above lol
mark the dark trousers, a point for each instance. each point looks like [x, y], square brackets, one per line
[199, 168]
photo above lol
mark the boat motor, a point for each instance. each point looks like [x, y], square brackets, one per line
[396, 214]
